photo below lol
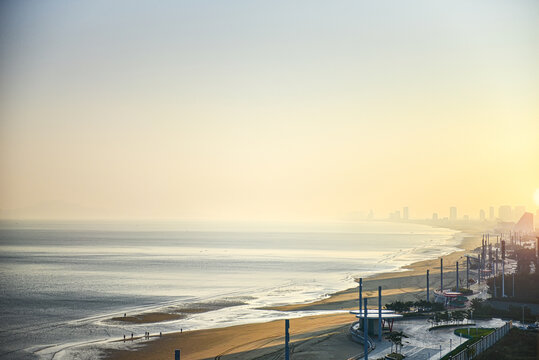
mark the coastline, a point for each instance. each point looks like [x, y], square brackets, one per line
[260, 338]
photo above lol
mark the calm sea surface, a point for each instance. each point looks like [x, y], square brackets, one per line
[61, 282]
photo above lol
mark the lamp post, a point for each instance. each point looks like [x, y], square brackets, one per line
[365, 332]
[360, 294]
[286, 340]
[441, 275]
[428, 290]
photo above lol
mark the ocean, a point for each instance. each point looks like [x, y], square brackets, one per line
[61, 283]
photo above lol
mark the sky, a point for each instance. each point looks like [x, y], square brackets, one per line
[259, 110]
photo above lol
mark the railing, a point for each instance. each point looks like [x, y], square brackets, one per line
[487, 341]
[358, 336]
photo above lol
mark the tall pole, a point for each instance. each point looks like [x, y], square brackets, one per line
[379, 313]
[286, 340]
[360, 294]
[496, 265]
[496, 274]
[457, 287]
[479, 269]
[441, 274]
[503, 278]
[365, 331]
[428, 290]
[494, 283]
[513, 284]
[503, 268]
[490, 258]
[467, 271]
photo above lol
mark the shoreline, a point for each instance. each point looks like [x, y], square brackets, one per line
[182, 311]
[405, 285]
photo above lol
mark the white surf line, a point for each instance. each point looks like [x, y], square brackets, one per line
[63, 347]
[161, 305]
[55, 350]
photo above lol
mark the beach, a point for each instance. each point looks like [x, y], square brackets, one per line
[312, 337]
[83, 286]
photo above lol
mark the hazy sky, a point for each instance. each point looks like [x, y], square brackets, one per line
[287, 110]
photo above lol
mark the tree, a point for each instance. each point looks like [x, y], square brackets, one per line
[459, 316]
[391, 337]
[396, 338]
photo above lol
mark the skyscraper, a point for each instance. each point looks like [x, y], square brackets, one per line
[435, 215]
[405, 213]
[525, 223]
[518, 212]
[504, 213]
[491, 213]
[482, 215]
[452, 213]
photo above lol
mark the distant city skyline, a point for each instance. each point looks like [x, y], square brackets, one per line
[504, 213]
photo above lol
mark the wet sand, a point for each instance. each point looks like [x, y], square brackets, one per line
[176, 312]
[146, 318]
[313, 337]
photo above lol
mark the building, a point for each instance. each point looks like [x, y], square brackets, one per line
[435, 216]
[395, 215]
[491, 213]
[482, 215]
[518, 212]
[405, 213]
[505, 213]
[373, 317]
[452, 213]
[524, 224]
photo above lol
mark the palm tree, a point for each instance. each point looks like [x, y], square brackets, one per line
[391, 337]
[459, 316]
[396, 338]
[400, 335]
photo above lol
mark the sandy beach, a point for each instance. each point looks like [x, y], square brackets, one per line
[312, 337]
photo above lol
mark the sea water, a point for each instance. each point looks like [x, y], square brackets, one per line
[62, 282]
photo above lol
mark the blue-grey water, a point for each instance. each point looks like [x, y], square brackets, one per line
[60, 283]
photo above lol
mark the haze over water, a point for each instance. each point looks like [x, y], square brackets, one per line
[54, 276]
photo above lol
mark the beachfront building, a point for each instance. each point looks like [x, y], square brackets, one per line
[451, 299]
[373, 317]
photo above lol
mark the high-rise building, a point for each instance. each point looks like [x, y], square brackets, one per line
[525, 224]
[518, 212]
[491, 213]
[435, 215]
[395, 215]
[505, 213]
[405, 213]
[452, 213]
[482, 215]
